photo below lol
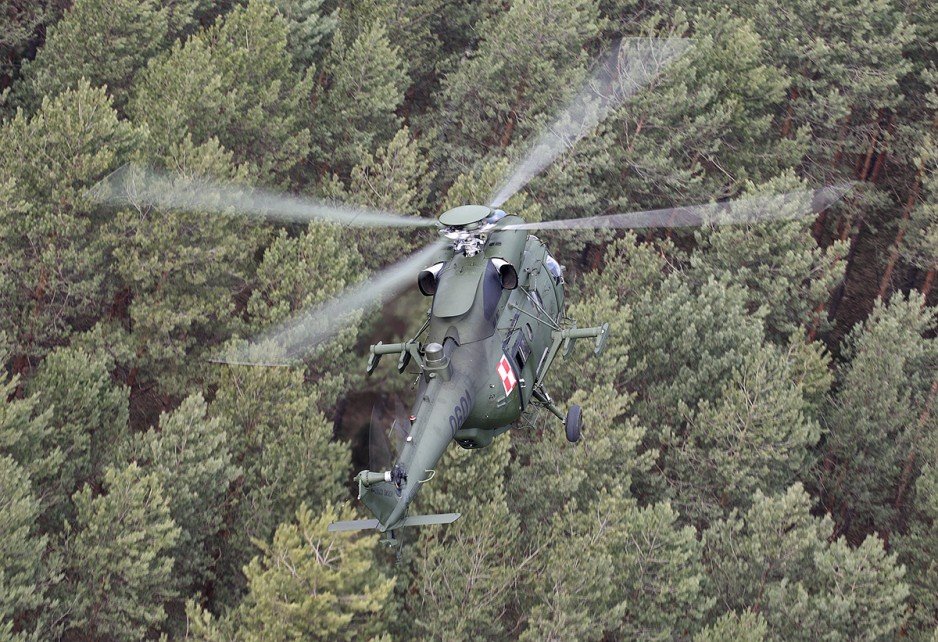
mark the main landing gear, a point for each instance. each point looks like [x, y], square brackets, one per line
[572, 423]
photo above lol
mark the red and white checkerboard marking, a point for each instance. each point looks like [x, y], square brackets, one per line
[508, 377]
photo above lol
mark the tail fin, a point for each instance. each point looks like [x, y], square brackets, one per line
[413, 520]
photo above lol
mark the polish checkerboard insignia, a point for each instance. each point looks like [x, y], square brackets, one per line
[506, 374]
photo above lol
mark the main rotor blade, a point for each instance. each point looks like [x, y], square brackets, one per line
[138, 186]
[295, 339]
[777, 207]
[627, 67]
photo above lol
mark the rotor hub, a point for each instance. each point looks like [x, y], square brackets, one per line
[465, 216]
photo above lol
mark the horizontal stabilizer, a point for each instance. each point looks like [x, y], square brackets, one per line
[353, 525]
[413, 520]
[426, 520]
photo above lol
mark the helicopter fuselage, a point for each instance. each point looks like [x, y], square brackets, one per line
[493, 330]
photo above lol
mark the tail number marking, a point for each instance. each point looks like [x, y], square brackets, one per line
[460, 412]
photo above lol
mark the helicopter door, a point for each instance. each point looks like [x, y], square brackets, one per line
[520, 353]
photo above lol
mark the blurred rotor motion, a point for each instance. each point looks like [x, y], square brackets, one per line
[387, 433]
[628, 66]
[291, 341]
[138, 186]
[750, 209]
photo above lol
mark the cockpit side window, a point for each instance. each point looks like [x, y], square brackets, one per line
[554, 268]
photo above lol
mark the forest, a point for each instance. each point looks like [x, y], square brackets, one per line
[760, 454]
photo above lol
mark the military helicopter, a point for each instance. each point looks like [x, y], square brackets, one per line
[496, 320]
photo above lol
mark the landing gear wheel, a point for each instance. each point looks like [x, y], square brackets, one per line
[573, 423]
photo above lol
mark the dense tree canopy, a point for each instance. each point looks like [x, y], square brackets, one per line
[760, 457]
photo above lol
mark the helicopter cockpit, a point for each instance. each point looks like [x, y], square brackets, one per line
[555, 269]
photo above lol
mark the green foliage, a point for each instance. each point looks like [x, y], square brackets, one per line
[117, 38]
[875, 420]
[780, 264]
[117, 560]
[189, 455]
[235, 82]
[178, 270]
[618, 570]
[396, 179]
[288, 458]
[300, 271]
[778, 560]
[309, 30]
[754, 437]
[920, 245]
[308, 584]
[843, 61]
[464, 579]
[687, 138]
[528, 57]
[684, 346]
[27, 570]
[55, 270]
[364, 82]
[745, 627]
[18, 26]
[88, 415]
[919, 550]
[547, 471]
[26, 434]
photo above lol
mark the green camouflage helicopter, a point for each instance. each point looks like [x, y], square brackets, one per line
[496, 321]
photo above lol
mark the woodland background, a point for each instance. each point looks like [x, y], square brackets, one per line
[760, 456]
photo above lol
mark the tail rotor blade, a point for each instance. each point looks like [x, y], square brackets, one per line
[630, 65]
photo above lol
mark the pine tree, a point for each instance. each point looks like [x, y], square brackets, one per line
[26, 435]
[780, 264]
[547, 472]
[307, 584]
[618, 570]
[88, 416]
[918, 550]
[699, 130]
[920, 245]
[27, 569]
[463, 579]
[101, 42]
[55, 266]
[396, 179]
[744, 627]
[844, 60]
[755, 437]
[235, 82]
[310, 30]
[527, 59]
[178, 273]
[362, 87]
[778, 560]
[189, 455]
[18, 27]
[875, 419]
[117, 557]
[287, 456]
